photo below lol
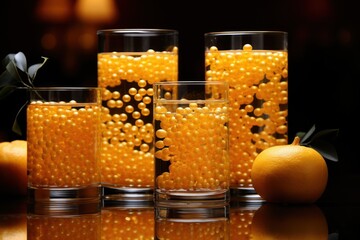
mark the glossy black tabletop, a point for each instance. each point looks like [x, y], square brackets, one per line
[239, 220]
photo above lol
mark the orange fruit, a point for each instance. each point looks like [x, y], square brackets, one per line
[278, 222]
[13, 168]
[290, 174]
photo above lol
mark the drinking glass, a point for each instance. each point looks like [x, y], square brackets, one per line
[191, 143]
[63, 144]
[130, 61]
[255, 64]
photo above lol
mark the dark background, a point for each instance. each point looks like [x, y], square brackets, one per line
[323, 58]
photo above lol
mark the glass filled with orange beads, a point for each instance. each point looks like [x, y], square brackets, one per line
[130, 61]
[255, 64]
[63, 144]
[191, 143]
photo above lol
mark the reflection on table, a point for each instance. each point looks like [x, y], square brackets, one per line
[144, 221]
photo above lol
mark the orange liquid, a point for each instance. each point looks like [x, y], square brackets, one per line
[258, 98]
[127, 154]
[62, 145]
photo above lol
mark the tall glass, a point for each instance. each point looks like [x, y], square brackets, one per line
[63, 142]
[255, 64]
[191, 144]
[130, 61]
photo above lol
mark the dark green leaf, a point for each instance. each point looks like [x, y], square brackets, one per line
[321, 141]
[34, 68]
[12, 70]
[326, 149]
[20, 61]
[5, 91]
[307, 135]
[9, 58]
[16, 128]
[7, 79]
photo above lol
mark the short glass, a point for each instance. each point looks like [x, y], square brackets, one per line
[255, 64]
[191, 143]
[130, 61]
[63, 145]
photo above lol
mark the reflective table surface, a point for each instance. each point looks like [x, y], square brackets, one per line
[141, 220]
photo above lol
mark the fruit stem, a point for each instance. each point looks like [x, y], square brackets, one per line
[296, 141]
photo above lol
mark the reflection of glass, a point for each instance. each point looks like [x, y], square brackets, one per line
[65, 227]
[62, 137]
[192, 223]
[127, 221]
[241, 220]
[275, 221]
[191, 148]
[130, 61]
[255, 64]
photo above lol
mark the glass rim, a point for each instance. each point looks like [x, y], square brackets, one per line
[136, 31]
[192, 82]
[58, 88]
[244, 33]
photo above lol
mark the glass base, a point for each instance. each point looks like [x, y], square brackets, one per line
[203, 214]
[245, 194]
[64, 201]
[110, 193]
[195, 199]
[79, 195]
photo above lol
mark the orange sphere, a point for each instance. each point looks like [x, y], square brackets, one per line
[13, 168]
[290, 174]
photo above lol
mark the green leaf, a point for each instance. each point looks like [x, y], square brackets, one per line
[16, 127]
[34, 68]
[20, 61]
[16, 75]
[326, 149]
[7, 79]
[321, 141]
[8, 58]
[308, 134]
[12, 70]
[6, 91]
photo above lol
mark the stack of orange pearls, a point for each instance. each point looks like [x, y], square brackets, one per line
[258, 98]
[127, 155]
[45, 227]
[191, 147]
[132, 223]
[206, 230]
[62, 144]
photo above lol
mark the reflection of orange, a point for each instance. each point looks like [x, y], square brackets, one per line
[13, 220]
[13, 164]
[273, 221]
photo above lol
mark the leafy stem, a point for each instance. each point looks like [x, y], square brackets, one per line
[321, 141]
[16, 74]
